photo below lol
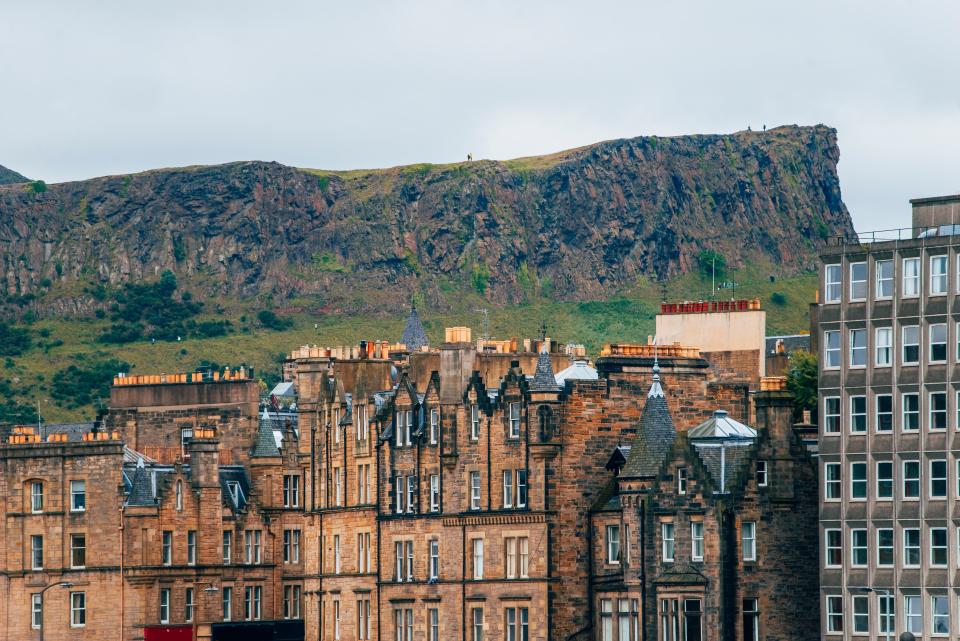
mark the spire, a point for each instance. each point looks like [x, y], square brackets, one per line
[266, 445]
[413, 335]
[141, 487]
[655, 434]
[543, 379]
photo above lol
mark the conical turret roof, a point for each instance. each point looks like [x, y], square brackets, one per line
[266, 444]
[413, 335]
[543, 378]
[655, 435]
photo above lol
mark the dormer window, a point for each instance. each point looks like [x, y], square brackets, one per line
[233, 487]
[434, 426]
[409, 427]
[682, 480]
[400, 416]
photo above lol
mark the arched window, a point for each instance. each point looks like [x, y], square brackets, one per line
[179, 497]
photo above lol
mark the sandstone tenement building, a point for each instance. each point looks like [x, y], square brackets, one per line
[479, 490]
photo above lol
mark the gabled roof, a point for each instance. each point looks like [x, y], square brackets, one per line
[655, 434]
[413, 335]
[229, 476]
[618, 457]
[543, 378]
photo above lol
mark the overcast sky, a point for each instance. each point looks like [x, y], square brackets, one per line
[94, 88]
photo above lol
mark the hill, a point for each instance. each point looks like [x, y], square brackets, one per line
[9, 177]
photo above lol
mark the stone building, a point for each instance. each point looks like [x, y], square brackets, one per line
[887, 332]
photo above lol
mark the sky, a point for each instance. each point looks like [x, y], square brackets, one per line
[113, 87]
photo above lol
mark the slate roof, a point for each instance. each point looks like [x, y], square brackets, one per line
[234, 474]
[724, 460]
[284, 389]
[266, 444]
[141, 491]
[579, 371]
[543, 379]
[791, 343]
[413, 335]
[681, 574]
[720, 425]
[655, 434]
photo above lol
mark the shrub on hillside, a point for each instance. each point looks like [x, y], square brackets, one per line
[271, 321]
[81, 384]
[14, 341]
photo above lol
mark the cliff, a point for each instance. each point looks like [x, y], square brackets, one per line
[578, 224]
[9, 176]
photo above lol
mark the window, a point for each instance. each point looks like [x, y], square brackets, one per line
[164, 605]
[477, 629]
[192, 547]
[681, 480]
[761, 474]
[337, 559]
[291, 605]
[692, 615]
[858, 414]
[911, 479]
[911, 411]
[832, 480]
[336, 619]
[434, 493]
[938, 343]
[521, 488]
[477, 546]
[861, 614]
[511, 557]
[337, 487]
[885, 547]
[433, 619]
[186, 434]
[434, 560]
[179, 496]
[363, 552]
[884, 278]
[36, 497]
[751, 620]
[78, 496]
[398, 572]
[696, 541]
[166, 548]
[911, 547]
[835, 614]
[884, 480]
[883, 351]
[938, 546]
[363, 481]
[858, 348]
[291, 546]
[188, 605]
[832, 283]
[227, 603]
[858, 281]
[858, 481]
[236, 494]
[474, 490]
[400, 421]
[913, 611]
[911, 344]
[623, 619]
[606, 620]
[251, 602]
[858, 547]
[884, 408]
[523, 544]
[398, 494]
[886, 613]
[911, 277]
[613, 544]
[514, 420]
[833, 542]
[411, 493]
[831, 347]
[831, 415]
[474, 422]
[938, 479]
[667, 544]
[251, 542]
[36, 610]
[363, 620]
[517, 620]
[938, 410]
[434, 426]
[940, 613]
[291, 490]
[78, 609]
[938, 275]
[408, 428]
[748, 535]
[78, 550]
[227, 547]
[507, 489]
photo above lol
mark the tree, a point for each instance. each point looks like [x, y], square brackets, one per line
[14, 341]
[712, 264]
[802, 382]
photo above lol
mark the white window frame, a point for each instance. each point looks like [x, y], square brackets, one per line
[476, 550]
[832, 542]
[934, 548]
[852, 401]
[931, 412]
[434, 425]
[833, 615]
[857, 617]
[36, 610]
[832, 417]
[931, 479]
[164, 605]
[856, 350]
[911, 277]
[945, 618]
[864, 482]
[877, 414]
[761, 474]
[854, 548]
[508, 489]
[696, 540]
[864, 282]
[891, 549]
[681, 480]
[74, 493]
[878, 268]
[434, 492]
[748, 540]
[906, 479]
[829, 483]
[78, 609]
[913, 613]
[475, 491]
[613, 544]
[474, 422]
[904, 414]
[906, 549]
[434, 559]
[887, 479]
[832, 356]
[939, 280]
[36, 497]
[832, 283]
[668, 542]
[514, 420]
[883, 347]
[931, 328]
[914, 342]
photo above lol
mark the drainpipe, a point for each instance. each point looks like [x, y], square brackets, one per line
[643, 572]
[122, 610]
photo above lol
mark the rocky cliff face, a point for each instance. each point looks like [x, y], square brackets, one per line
[576, 225]
[10, 177]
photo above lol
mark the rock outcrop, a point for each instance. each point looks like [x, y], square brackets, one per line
[579, 224]
[10, 177]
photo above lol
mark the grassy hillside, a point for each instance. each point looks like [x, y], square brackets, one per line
[44, 371]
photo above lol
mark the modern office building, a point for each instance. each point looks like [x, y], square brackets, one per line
[887, 329]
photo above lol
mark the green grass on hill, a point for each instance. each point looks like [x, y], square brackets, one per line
[628, 317]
